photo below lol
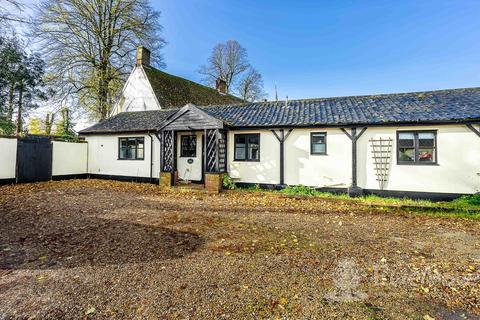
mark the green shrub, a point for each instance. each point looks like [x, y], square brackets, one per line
[300, 190]
[228, 183]
[473, 200]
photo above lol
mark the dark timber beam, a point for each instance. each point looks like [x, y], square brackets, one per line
[354, 137]
[282, 138]
[476, 131]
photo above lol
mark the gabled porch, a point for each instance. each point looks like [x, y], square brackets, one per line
[193, 149]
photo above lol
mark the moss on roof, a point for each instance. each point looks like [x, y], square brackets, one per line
[173, 91]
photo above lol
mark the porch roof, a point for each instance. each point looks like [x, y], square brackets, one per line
[455, 105]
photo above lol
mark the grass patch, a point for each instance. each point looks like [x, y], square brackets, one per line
[464, 207]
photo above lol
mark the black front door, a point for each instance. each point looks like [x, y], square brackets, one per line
[34, 159]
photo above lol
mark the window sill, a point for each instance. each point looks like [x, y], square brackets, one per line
[130, 159]
[319, 154]
[235, 160]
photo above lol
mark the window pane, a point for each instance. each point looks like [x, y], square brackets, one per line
[240, 153]
[318, 138]
[318, 148]
[253, 147]
[139, 153]
[406, 140]
[131, 145]
[240, 139]
[406, 154]
[123, 153]
[426, 155]
[406, 135]
[123, 142]
[253, 152]
[140, 143]
[426, 139]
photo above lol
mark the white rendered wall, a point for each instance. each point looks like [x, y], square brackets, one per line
[69, 158]
[137, 94]
[332, 170]
[8, 157]
[264, 171]
[458, 169]
[185, 170]
[103, 157]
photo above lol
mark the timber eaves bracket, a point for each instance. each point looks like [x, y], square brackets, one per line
[354, 136]
[474, 130]
[284, 137]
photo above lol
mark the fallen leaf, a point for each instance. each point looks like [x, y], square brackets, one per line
[90, 311]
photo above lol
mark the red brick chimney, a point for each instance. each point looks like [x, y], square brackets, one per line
[221, 86]
[143, 56]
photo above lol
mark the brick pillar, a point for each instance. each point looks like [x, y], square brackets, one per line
[214, 182]
[168, 179]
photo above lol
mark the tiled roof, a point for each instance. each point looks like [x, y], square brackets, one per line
[418, 107]
[172, 91]
[131, 122]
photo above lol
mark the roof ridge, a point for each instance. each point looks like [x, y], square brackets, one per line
[380, 95]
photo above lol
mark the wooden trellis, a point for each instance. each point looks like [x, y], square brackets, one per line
[381, 154]
[168, 148]
[215, 151]
[211, 150]
[222, 151]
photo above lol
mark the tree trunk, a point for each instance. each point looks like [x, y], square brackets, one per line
[10, 107]
[48, 123]
[102, 94]
[19, 113]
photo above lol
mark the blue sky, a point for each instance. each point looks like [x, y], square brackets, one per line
[332, 48]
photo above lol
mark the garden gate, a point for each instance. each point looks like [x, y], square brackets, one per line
[34, 159]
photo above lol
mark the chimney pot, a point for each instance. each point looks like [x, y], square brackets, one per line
[143, 56]
[221, 86]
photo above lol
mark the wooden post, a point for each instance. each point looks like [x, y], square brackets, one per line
[354, 190]
[282, 138]
[354, 157]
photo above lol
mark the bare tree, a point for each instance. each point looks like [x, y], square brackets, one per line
[250, 86]
[227, 61]
[90, 45]
[11, 11]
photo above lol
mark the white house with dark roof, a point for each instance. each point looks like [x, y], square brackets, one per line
[421, 145]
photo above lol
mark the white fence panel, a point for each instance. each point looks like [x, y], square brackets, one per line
[8, 157]
[69, 158]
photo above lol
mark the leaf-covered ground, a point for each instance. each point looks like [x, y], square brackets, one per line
[103, 249]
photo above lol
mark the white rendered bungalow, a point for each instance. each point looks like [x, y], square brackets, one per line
[420, 145]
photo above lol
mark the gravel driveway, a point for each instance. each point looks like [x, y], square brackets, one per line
[103, 249]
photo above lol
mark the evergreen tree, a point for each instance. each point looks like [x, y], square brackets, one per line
[21, 83]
